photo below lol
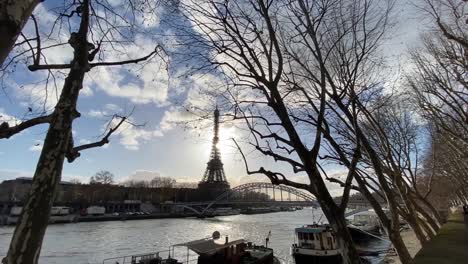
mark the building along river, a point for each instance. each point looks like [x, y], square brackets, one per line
[92, 242]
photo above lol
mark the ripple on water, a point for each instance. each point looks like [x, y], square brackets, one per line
[94, 241]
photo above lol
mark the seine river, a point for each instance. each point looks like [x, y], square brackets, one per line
[93, 242]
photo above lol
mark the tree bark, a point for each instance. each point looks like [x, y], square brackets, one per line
[13, 16]
[428, 219]
[413, 222]
[434, 211]
[393, 225]
[428, 229]
[27, 238]
[394, 235]
[335, 216]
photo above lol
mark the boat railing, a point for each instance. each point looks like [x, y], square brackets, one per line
[152, 258]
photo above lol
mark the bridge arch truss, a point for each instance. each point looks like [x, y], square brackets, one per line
[274, 193]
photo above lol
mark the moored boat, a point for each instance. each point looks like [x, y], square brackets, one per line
[315, 244]
[364, 226]
[58, 214]
[208, 251]
[222, 211]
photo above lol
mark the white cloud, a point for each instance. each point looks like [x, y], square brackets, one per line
[4, 117]
[141, 175]
[84, 141]
[107, 111]
[96, 113]
[113, 107]
[132, 136]
[86, 91]
[37, 94]
[143, 83]
[7, 174]
[174, 116]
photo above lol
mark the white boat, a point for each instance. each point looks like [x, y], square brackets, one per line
[223, 211]
[59, 211]
[208, 251]
[364, 225]
[315, 244]
[58, 214]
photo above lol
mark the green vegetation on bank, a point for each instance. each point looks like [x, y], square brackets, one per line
[450, 245]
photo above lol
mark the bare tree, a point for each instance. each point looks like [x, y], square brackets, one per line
[448, 169]
[294, 71]
[156, 182]
[438, 81]
[162, 182]
[398, 139]
[75, 181]
[439, 87]
[102, 177]
[91, 19]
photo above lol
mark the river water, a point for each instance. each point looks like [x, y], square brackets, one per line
[92, 242]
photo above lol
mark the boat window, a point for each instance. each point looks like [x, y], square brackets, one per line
[311, 236]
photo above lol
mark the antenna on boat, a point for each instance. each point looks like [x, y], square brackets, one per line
[313, 216]
[267, 239]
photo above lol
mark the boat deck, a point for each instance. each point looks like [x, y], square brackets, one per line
[258, 255]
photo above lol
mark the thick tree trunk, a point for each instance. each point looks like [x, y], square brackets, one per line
[337, 221]
[411, 217]
[349, 253]
[427, 217]
[432, 209]
[13, 16]
[27, 239]
[413, 222]
[398, 243]
[427, 229]
[394, 235]
[393, 225]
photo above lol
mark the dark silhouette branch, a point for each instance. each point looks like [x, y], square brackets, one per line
[6, 131]
[275, 177]
[36, 67]
[74, 152]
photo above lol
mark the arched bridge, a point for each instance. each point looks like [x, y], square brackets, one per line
[260, 193]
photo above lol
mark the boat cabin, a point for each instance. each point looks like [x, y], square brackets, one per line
[365, 218]
[208, 250]
[318, 237]
[230, 252]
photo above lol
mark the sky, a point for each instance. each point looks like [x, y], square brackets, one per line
[160, 147]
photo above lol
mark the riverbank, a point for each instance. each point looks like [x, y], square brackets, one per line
[412, 243]
[450, 245]
[5, 220]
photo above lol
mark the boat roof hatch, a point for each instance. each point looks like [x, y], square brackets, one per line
[207, 246]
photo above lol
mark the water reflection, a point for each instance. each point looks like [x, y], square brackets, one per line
[93, 242]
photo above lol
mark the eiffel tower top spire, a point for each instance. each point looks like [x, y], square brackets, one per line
[214, 173]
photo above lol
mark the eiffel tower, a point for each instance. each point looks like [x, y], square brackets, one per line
[214, 180]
